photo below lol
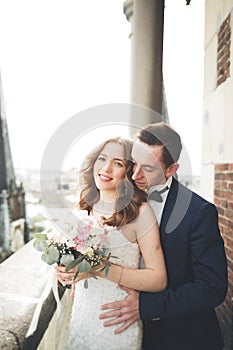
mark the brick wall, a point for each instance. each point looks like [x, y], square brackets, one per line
[223, 53]
[223, 198]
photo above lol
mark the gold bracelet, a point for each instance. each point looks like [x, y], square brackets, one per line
[120, 278]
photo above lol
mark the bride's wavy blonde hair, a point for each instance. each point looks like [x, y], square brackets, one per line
[129, 198]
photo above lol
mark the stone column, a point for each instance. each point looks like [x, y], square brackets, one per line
[147, 21]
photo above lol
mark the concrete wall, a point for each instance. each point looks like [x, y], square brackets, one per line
[217, 104]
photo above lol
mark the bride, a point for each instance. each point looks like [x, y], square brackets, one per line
[108, 193]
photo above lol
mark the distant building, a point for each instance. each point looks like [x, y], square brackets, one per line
[13, 228]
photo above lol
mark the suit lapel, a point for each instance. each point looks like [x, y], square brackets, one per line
[175, 209]
[168, 207]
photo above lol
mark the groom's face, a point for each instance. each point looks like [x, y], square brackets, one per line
[149, 169]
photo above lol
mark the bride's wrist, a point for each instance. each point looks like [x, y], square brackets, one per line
[121, 275]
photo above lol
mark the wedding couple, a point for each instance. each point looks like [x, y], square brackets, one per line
[166, 303]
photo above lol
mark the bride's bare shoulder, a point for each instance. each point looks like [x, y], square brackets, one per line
[145, 209]
[146, 215]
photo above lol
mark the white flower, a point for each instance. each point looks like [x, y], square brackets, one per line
[89, 252]
[95, 241]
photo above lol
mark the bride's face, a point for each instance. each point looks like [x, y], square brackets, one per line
[109, 168]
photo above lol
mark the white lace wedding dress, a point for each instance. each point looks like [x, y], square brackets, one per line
[86, 330]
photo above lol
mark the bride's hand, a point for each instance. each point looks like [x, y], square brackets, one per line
[125, 311]
[68, 277]
[65, 277]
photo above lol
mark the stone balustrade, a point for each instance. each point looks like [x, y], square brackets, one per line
[25, 292]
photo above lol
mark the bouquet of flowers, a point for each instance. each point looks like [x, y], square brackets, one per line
[83, 242]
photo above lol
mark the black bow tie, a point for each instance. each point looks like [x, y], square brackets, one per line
[156, 195]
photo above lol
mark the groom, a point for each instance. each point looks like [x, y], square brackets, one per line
[182, 317]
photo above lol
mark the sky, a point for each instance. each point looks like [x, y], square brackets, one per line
[59, 58]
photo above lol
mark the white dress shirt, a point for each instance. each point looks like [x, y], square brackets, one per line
[158, 206]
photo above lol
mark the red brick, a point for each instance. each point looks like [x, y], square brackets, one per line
[218, 193]
[230, 225]
[230, 274]
[230, 263]
[225, 185]
[230, 278]
[223, 51]
[229, 205]
[227, 195]
[220, 211]
[220, 167]
[225, 221]
[217, 201]
[229, 252]
[224, 204]
[225, 239]
[218, 184]
[229, 176]
[219, 176]
[230, 244]
[227, 235]
[225, 232]
[228, 213]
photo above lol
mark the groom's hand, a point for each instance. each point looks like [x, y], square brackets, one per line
[125, 311]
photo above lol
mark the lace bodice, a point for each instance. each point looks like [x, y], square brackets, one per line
[119, 246]
[86, 329]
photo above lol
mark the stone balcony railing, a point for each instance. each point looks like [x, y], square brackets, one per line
[23, 294]
[24, 278]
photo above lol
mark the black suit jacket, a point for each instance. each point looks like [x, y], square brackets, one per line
[197, 277]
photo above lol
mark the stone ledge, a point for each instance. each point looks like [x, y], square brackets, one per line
[23, 278]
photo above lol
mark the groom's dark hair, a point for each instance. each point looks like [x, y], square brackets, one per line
[162, 134]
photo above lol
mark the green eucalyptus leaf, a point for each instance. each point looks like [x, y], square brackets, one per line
[86, 284]
[53, 252]
[74, 263]
[76, 275]
[106, 251]
[100, 268]
[46, 258]
[107, 270]
[40, 245]
[51, 255]
[92, 275]
[84, 266]
[66, 259]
